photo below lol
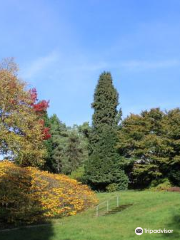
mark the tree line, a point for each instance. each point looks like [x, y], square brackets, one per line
[110, 154]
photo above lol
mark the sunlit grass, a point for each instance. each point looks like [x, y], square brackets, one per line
[153, 210]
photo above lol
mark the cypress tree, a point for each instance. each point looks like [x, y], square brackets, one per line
[103, 167]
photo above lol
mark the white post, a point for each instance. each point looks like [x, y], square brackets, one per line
[107, 206]
[117, 201]
[97, 211]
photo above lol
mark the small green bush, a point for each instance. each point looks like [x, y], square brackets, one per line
[123, 181]
[78, 174]
[112, 187]
[122, 184]
[160, 185]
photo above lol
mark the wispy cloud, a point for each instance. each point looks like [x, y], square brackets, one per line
[144, 65]
[92, 66]
[130, 65]
[39, 65]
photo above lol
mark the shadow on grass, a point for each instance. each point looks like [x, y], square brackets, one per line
[118, 209]
[173, 224]
[36, 233]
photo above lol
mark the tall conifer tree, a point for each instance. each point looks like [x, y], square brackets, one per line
[103, 167]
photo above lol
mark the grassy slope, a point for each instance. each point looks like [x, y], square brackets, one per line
[153, 210]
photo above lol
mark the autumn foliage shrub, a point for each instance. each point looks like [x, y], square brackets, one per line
[28, 195]
[174, 189]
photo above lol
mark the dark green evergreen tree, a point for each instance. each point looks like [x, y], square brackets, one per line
[81, 133]
[73, 153]
[67, 147]
[59, 138]
[85, 129]
[103, 167]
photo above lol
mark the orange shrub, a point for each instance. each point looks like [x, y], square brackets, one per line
[29, 195]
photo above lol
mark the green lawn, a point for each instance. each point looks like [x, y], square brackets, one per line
[153, 210]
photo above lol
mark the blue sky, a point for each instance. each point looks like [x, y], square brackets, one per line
[62, 46]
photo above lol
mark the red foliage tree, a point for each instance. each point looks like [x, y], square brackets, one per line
[40, 108]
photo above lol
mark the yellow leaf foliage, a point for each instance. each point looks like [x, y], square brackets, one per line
[29, 195]
[20, 130]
